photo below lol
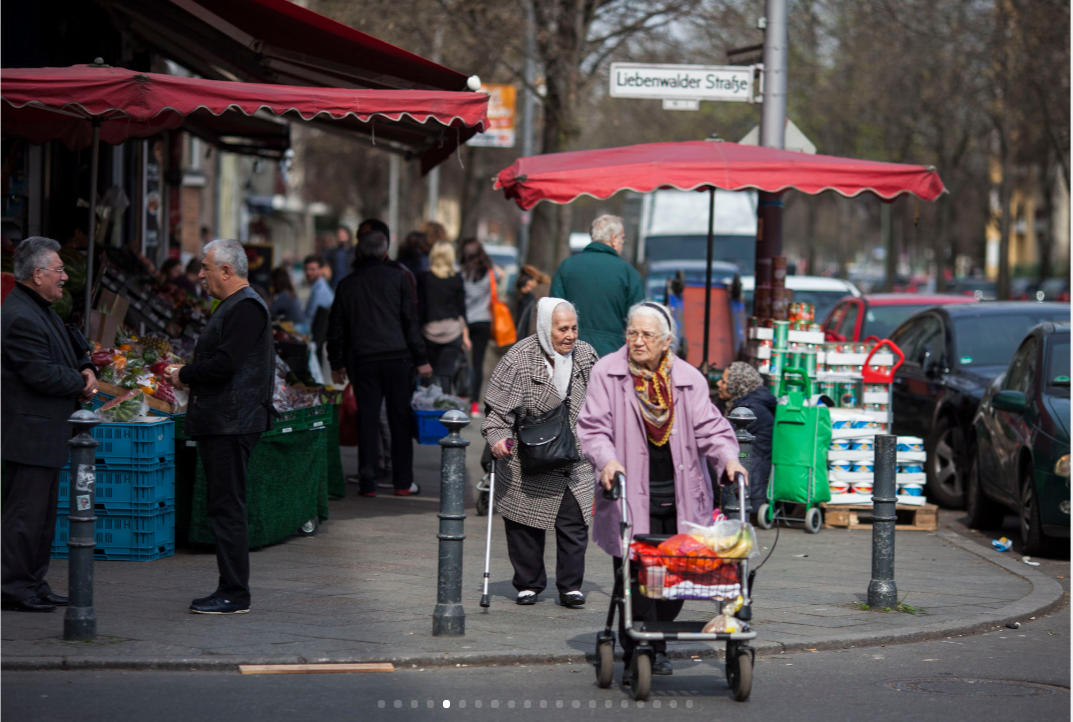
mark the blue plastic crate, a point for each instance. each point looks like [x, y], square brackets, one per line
[135, 445]
[127, 490]
[124, 537]
[427, 427]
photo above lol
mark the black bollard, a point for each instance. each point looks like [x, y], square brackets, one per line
[882, 592]
[742, 418]
[80, 621]
[449, 619]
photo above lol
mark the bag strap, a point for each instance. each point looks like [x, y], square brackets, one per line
[495, 296]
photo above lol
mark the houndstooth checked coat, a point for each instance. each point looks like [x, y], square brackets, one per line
[520, 386]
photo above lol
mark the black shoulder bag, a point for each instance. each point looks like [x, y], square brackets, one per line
[546, 441]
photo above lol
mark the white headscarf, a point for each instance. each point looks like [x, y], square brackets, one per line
[564, 363]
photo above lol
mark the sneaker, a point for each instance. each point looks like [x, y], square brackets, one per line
[574, 600]
[414, 490]
[475, 410]
[219, 605]
[526, 597]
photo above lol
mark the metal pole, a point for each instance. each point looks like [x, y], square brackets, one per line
[773, 121]
[394, 174]
[449, 619]
[742, 418]
[80, 621]
[94, 156]
[882, 591]
[528, 109]
[708, 275]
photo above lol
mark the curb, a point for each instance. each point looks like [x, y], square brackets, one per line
[1046, 596]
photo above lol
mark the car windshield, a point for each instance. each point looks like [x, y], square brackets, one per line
[1058, 362]
[990, 339]
[880, 321]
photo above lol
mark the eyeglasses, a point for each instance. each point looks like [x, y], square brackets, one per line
[648, 336]
[59, 270]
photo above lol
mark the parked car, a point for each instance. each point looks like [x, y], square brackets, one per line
[658, 273]
[1054, 289]
[878, 314]
[820, 291]
[979, 288]
[952, 354]
[1022, 442]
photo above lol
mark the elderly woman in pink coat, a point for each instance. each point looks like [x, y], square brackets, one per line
[648, 414]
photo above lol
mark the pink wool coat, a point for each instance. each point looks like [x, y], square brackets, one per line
[610, 427]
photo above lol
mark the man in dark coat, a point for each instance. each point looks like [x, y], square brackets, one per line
[41, 381]
[230, 385]
[601, 285]
[374, 337]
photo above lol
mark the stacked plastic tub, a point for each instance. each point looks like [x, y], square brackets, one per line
[134, 497]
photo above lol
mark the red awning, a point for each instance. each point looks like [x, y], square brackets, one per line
[563, 177]
[43, 104]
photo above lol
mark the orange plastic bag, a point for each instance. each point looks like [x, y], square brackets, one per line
[503, 331]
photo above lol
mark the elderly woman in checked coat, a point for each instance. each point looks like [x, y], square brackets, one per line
[533, 378]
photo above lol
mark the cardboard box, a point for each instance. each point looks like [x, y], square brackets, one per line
[105, 320]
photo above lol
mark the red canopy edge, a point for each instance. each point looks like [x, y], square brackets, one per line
[696, 165]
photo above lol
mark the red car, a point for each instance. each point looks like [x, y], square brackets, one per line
[878, 314]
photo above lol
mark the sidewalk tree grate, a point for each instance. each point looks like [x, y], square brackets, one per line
[974, 687]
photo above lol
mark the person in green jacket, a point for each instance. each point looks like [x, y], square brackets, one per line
[601, 285]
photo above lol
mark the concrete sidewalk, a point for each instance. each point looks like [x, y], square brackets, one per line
[364, 588]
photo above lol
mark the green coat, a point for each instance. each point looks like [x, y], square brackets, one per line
[602, 287]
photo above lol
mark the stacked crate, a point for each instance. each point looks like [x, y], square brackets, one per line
[134, 494]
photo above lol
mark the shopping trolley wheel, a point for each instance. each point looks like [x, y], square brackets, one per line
[765, 516]
[813, 520]
[739, 666]
[605, 660]
[482, 503]
[640, 675]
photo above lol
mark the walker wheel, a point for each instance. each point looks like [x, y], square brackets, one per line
[765, 516]
[813, 520]
[740, 673]
[482, 503]
[641, 675]
[605, 661]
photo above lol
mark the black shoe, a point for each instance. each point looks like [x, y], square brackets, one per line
[56, 599]
[204, 600]
[33, 604]
[574, 600]
[661, 665]
[526, 599]
[219, 605]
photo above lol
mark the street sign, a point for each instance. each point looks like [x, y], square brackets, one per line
[682, 82]
[674, 104]
[500, 132]
[749, 55]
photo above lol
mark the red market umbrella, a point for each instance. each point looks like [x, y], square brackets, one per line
[82, 104]
[706, 165]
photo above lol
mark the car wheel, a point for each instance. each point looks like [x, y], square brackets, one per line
[946, 465]
[1033, 540]
[983, 512]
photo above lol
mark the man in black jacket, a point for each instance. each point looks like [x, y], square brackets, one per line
[41, 380]
[374, 337]
[230, 384]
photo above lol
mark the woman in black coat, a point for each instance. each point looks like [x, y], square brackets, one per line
[742, 385]
[442, 305]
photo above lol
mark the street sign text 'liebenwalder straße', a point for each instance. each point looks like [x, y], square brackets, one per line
[695, 82]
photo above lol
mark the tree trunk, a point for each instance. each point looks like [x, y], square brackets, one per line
[1002, 290]
[473, 180]
[942, 247]
[887, 238]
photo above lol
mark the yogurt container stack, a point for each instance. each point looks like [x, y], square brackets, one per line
[851, 467]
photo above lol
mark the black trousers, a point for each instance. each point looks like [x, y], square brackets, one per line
[479, 335]
[525, 544]
[29, 523]
[445, 359]
[643, 608]
[390, 383]
[225, 459]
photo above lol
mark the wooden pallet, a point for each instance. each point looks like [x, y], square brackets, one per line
[910, 518]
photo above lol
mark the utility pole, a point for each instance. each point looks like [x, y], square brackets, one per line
[772, 123]
[393, 182]
[432, 213]
[528, 109]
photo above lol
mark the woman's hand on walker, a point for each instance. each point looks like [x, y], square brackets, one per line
[607, 476]
[734, 467]
[500, 450]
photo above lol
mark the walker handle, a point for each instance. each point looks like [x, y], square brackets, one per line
[615, 492]
[743, 501]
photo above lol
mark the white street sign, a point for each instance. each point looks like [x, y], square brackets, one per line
[685, 82]
[672, 104]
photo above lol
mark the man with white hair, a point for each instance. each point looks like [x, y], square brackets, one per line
[601, 285]
[42, 378]
[230, 384]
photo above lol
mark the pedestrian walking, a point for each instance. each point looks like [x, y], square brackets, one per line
[374, 337]
[230, 382]
[477, 273]
[537, 377]
[341, 256]
[43, 378]
[442, 297]
[649, 416]
[284, 300]
[320, 291]
[525, 312]
[601, 285]
[742, 385]
[413, 253]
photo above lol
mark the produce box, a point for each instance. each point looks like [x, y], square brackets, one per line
[124, 537]
[126, 490]
[107, 392]
[427, 427]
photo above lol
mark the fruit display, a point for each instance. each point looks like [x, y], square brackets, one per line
[125, 408]
[138, 365]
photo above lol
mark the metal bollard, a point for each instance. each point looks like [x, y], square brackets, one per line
[742, 418]
[882, 592]
[80, 621]
[449, 619]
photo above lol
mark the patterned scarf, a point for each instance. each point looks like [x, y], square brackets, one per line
[655, 398]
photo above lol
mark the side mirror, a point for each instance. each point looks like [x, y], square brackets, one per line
[1012, 401]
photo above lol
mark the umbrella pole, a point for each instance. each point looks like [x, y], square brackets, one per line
[95, 151]
[708, 274]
